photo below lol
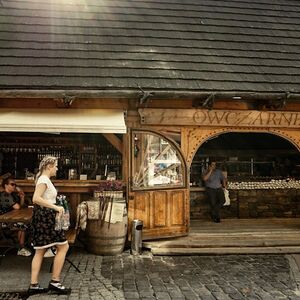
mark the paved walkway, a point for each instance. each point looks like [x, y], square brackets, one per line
[164, 277]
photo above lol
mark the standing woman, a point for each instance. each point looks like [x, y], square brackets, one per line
[43, 233]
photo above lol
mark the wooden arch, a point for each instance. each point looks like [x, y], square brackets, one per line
[193, 138]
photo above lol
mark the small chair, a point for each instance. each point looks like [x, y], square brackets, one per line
[71, 236]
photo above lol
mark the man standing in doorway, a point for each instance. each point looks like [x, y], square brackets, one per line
[214, 183]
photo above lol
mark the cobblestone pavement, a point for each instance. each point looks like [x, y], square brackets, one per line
[202, 277]
[164, 277]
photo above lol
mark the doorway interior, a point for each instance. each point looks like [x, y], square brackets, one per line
[248, 158]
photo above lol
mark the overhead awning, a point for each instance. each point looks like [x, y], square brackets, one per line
[63, 120]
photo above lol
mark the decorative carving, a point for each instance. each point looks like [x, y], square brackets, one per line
[144, 95]
[195, 137]
[271, 104]
[66, 101]
[192, 137]
[291, 135]
[207, 102]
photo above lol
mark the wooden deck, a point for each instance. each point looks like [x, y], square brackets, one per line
[233, 236]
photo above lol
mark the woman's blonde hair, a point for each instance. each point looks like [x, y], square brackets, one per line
[46, 161]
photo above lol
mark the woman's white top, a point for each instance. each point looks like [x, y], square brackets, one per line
[50, 192]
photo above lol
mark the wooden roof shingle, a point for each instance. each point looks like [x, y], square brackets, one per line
[177, 45]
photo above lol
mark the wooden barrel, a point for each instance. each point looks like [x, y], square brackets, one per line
[107, 238]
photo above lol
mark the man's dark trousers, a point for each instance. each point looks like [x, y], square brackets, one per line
[216, 200]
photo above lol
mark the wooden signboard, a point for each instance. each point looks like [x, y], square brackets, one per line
[220, 118]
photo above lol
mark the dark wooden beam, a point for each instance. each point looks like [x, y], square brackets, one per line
[135, 94]
[115, 141]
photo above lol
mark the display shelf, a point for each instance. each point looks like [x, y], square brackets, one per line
[88, 158]
[244, 167]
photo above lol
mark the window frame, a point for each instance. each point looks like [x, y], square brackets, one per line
[176, 149]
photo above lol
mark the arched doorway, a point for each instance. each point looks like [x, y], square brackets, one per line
[194, 137]
[264, 158]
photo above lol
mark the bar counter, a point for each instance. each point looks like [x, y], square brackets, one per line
[63, 186]
[253, 199]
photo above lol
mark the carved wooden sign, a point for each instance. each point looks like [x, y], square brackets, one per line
[203, 117]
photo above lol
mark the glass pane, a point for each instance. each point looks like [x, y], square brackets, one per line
[156, 162]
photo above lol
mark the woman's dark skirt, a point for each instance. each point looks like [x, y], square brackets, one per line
[43, 234]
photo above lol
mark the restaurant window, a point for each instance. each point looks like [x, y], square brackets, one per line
[156, 162]
[81, 156]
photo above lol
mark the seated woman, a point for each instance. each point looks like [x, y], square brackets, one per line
[13, 198]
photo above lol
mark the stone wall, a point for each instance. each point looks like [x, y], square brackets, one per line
[277, 203]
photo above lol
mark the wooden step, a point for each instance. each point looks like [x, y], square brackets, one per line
[205, 241]
[233, 236]
[225, 250]
[251, 244]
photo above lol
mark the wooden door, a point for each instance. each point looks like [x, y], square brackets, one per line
[158, 194]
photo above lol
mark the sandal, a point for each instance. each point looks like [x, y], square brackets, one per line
[56, 286]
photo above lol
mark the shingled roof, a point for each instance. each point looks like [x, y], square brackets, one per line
[162, 45]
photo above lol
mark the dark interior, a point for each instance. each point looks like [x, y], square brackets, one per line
[249, 156]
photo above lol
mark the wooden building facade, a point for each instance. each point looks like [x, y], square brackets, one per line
[165, 89]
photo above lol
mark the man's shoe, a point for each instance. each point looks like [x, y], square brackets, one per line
[58, 288]
[24, 252]
[36, 289]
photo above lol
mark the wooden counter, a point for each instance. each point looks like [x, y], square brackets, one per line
[250, 203]
[63, 186]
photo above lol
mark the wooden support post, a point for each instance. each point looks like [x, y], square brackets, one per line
[114, 140]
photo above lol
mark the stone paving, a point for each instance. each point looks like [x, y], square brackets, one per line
[129, 277]
[202, 277]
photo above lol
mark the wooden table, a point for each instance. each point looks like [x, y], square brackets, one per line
[23, 215]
